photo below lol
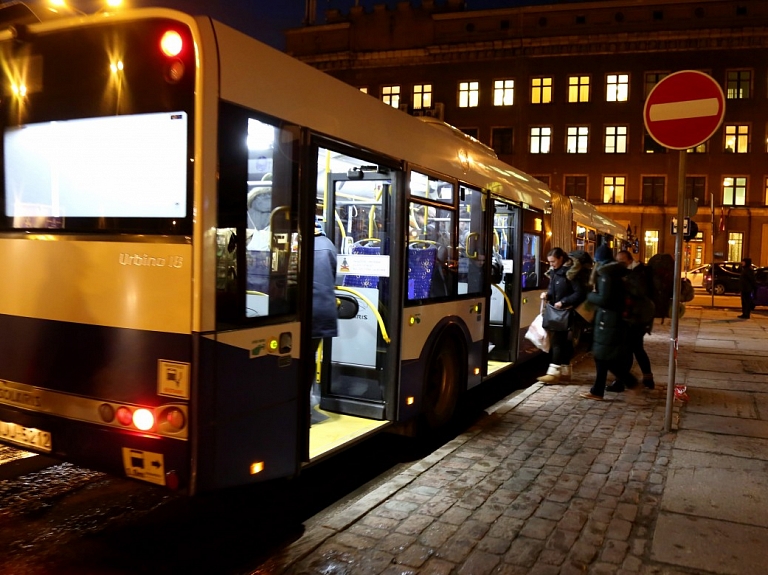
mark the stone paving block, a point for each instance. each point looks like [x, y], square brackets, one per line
[708, 545]
[437, 534]
[479, 562]
[524, 551]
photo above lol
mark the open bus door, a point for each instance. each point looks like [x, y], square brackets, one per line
[356, 370]
[503, 326]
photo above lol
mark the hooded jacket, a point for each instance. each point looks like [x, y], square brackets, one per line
[568, 284]
[609, 328]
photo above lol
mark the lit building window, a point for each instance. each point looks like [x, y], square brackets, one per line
[613, 189]
[653, 78]
[577, 140]
[737, 138]
[735, 246]
[617, 87]
[651, 146]
[541, 138]
[503, 92]
[651, 244]
[364, 89]
[615, 139]
[578, 89]
[738, 84]
[541, 90]
[422, 96]
[700, 149]
[576, 186]
[735, 191]
[391, 95]
[469, 94]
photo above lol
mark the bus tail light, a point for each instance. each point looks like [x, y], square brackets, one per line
[171, 45]
[143, 419]
[124, 415]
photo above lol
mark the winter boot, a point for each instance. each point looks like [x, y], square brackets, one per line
[565, 372]
[552, 375]
[648, 381]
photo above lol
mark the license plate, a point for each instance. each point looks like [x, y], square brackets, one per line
[25, 436]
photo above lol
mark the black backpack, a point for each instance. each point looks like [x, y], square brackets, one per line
[663, 276]
[639, 307]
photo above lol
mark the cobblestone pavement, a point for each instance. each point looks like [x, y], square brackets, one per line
[545, 483]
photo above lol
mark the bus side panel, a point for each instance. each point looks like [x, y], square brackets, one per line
[420, 327]
[248, 428]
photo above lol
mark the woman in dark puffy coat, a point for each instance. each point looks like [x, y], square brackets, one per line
[568, 278]
[609, 346]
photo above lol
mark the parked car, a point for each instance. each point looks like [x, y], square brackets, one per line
[696, 275]
[726, 278]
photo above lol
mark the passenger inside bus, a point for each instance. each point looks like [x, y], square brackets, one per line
[324, 313]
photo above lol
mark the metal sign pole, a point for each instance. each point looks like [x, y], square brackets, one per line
[673, 344]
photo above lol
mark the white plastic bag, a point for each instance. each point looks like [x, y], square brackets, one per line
[537, 335]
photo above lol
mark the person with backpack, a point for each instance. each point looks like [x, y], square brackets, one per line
[748, 286]
[609, 346]
[638, 313]
[567, 289]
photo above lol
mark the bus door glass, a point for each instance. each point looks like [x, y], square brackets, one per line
[472, 241]
[354, 210]
[248, 408]
[506, 293]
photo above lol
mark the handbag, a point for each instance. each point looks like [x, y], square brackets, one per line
[556, 319]
[537, 335]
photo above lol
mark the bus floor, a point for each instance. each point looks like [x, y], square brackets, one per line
[338, 430]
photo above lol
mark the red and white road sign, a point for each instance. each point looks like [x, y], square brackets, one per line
[684, 109]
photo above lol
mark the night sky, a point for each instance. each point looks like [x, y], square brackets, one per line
[267, 19]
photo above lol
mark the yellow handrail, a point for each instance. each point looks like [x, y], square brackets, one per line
[373, 308]
[506, 299]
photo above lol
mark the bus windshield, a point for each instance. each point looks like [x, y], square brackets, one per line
[97, 130]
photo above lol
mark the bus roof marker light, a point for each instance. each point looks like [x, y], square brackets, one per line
[257, 467]
[171, 43]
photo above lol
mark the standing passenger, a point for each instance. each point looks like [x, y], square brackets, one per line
[567, 289]
[609, 347]
[325, 316]
[747, 285]
[641, 280]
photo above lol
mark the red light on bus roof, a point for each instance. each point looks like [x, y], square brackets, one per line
[171, 43]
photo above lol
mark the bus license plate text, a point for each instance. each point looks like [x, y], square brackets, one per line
[25, 436]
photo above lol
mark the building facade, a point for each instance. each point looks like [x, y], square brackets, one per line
[558, 91]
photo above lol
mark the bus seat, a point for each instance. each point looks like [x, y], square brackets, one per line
[421, 264]
[363, 247]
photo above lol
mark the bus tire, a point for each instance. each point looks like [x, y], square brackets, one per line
[442, 382]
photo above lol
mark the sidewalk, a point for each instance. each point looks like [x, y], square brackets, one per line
[549, 483]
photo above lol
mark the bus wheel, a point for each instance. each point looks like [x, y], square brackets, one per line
[442, 383]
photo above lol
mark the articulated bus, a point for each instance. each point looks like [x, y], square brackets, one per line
[162, 176]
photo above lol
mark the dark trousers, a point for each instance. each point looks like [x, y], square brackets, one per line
[562, 347]
[635, 340]
[746, 304]
[617, 367]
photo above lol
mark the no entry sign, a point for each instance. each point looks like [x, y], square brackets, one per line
[684, 109]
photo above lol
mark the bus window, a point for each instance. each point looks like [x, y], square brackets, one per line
[472, 233]
[423, 186]
[257, 237]
[430, 252]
